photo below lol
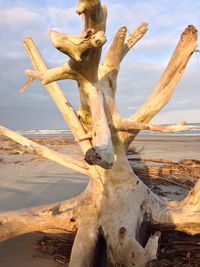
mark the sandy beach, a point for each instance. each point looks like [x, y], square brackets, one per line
[29, 181]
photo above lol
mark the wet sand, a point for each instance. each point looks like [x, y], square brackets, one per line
[29, 181]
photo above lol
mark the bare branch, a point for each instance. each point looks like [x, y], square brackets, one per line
[116, 202]
[128, 126]
[52, 218]
[39, 150]
[134, 37]
[62, 103]
[108, 71]
[171, 76]
[55, 74]
[25, 86]
[87, 136]
[114, 54]
[168, 81]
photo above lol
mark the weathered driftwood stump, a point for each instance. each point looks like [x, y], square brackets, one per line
[116, 204]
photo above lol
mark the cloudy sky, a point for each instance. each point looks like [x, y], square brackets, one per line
[139, 72]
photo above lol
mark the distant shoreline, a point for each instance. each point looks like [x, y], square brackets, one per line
[67, 132]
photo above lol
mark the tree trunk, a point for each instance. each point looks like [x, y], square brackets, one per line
[116, 205]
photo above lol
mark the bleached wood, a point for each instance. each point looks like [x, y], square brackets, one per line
[60, 100]
[94, 14]
[52, 218]
[25, 86]
[134, 37]
[171, 76]
[181, 215]
[168, 81]
[75, 46]
[129, 126]
[42, 151]
[102, 152]
[114, 54]
[84, 246]
[94, 17]
[115, 203]
[118, 50]
[55, 74]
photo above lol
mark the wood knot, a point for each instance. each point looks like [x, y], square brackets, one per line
[122, 232]
[92, 156]
[72, 219]
[132, 255]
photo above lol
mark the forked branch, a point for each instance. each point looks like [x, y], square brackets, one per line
[117, 51]
[134, 37]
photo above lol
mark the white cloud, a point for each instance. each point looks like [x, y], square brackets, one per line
[64, 19]
[18, 16]
[140, 70]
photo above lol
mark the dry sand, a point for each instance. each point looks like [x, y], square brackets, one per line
[28, 181]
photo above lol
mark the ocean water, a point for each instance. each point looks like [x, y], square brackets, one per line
[54, 132]
[193, 131]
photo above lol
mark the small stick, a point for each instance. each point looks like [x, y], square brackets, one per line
[85, 137]
[170, 181]
[25, 86]
[176, 183]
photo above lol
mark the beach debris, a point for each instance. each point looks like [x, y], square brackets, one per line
[56, 248]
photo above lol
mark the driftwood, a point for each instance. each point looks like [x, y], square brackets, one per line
[116, 204]
[188, 169]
